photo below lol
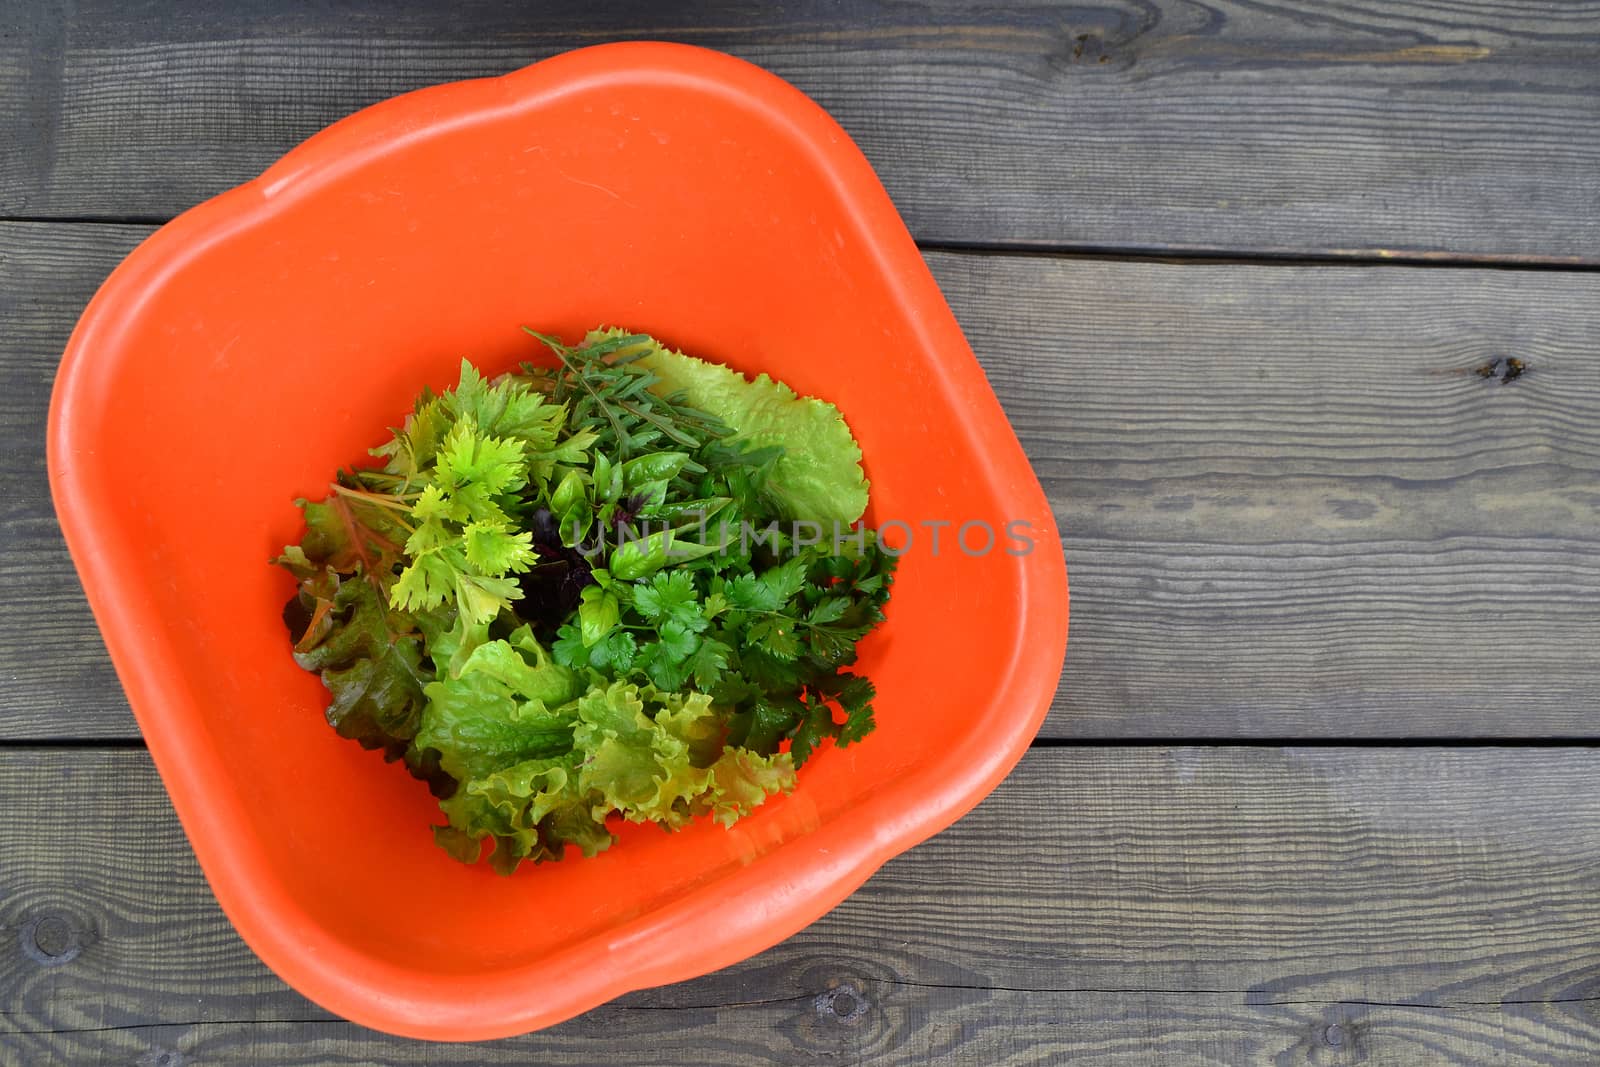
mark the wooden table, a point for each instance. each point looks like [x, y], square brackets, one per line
[1318, 786]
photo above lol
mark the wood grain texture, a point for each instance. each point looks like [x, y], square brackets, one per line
[58, 680]
[1371, 127]
[1122, 906]
[1290, 507]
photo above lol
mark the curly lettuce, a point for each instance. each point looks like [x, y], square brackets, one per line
[536, 780]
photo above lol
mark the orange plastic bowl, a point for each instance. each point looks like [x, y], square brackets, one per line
[268, 336]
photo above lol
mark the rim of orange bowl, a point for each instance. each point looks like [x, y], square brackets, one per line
[774, 897]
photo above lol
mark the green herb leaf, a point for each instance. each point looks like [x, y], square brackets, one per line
[598, 614]
[819, 476]
[668, 596]
[676, 641]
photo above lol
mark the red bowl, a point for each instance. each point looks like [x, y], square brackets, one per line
[268, 336]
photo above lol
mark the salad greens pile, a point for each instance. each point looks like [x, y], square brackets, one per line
[628, 585]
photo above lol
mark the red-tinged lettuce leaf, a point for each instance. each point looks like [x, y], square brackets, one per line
[369, 656]
[346, 533]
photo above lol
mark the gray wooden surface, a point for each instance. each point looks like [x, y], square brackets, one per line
[1368, 126]
[1233, 269]
[1223, 907]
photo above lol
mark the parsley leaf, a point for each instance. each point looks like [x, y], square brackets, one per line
[676, 641]
[708, 663]
[615, 650]
[667, 595]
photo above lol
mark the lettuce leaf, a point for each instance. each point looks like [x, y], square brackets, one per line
[370, 658]
[636, 765]
[502, 709]
[478, 726]
[740, 780]
[646, 755]
[531, 810]
[669, 765]
[521, 664]
[818, 478]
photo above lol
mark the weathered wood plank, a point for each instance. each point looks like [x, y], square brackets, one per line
[58, 681]
[1106, 905]
[1290, 504]
[1290, 507]
[1377, 127]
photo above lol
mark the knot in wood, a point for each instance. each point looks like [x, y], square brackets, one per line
[51, 939]
[1505, 369]
[844, 1003]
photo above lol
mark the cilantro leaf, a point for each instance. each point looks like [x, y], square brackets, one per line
[709, 661]
[667, 595]
[816, 726]
[615, 650]
[786, 580]
[855, 696]
[768, 721]
[749, 593]
[468, 456]
[425, 584]
[479, 599]
[413, 447]
[663, 672]
[569, 649]
[774, 636]
[767, 672]
[676, 641]
[828, 609]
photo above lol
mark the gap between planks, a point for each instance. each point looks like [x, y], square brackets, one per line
[1198, 256]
